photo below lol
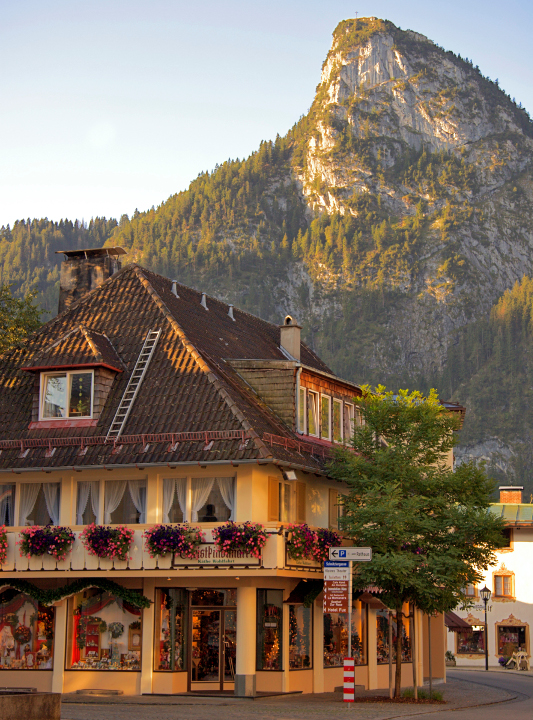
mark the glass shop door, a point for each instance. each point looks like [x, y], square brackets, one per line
[213, 649]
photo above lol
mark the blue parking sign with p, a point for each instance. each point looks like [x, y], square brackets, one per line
[342, 553]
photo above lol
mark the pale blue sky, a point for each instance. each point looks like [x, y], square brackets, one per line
[112, 105]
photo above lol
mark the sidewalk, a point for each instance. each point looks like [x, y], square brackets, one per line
[457, 693]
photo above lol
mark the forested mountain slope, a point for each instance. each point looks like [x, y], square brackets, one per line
[389, 221]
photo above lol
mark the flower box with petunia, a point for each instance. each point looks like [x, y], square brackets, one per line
[304, 543]
[248, 538]
[53, 540]
[183, 540]
[112, 543]
[3, 545]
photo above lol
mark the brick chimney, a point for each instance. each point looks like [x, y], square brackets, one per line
[290, 337]
[511, 494]
[85, 270]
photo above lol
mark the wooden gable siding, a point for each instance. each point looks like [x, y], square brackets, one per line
[275, 385]
[328, 386]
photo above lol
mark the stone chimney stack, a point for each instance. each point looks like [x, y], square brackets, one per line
[511, 494]
[290, 337]
[85, 270]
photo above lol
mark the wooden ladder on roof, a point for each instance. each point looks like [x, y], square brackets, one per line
[134, 383]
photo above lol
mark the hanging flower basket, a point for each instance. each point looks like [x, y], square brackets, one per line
[106, 542]
[3, 544]
[53, 540]
[325, 539]
[248, 538]
[183, 540]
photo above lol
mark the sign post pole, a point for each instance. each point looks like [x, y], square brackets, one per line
[350, 583]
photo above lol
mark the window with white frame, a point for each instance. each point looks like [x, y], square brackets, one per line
[312, 413]
[87, 502]
[39, 503]
[348, 421]
[7, 504]
[66, 395]
[125, 502]
[325, 417]
[337, 420]
[301, 410]
[198, 499]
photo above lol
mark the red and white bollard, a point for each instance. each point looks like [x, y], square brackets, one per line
[349, 680]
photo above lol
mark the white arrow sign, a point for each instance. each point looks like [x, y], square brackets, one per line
[356, 554]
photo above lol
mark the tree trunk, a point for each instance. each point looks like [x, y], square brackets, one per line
[399, 627]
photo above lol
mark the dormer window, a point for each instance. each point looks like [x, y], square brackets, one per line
[67, 395]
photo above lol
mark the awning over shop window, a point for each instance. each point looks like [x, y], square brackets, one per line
[305, 593]
[454, 623]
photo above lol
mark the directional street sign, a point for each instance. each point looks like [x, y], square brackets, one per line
[355, 554]
[336, 571]
[336, 586]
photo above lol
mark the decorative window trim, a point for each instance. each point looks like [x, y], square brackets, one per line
[511, 621]
[503, 572]
[67, 374]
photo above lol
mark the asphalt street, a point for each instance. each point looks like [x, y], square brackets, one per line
[487, 696]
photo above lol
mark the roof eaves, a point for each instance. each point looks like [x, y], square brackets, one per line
[260, 446]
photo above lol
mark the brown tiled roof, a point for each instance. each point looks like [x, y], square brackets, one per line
[77, 348]
[188, 386]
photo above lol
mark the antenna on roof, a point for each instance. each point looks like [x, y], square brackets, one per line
[174, 289]
[203, 302]
[230, 312]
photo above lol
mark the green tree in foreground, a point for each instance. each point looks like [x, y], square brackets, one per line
[18, 318]
[429, 527]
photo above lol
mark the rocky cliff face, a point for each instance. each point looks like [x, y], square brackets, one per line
[386, 95]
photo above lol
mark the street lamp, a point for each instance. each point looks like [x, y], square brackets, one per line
[485, 596]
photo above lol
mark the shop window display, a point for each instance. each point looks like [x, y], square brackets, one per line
[26, 633]
[471, 642]
[511, 639]
[171, 629]
[269, 629]
[215, 598]
[382, 620]
[105, 633]
[336, 636]
[300, 638]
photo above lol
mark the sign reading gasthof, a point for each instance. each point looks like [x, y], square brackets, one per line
[209, 554]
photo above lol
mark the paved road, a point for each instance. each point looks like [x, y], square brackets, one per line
[511, 694]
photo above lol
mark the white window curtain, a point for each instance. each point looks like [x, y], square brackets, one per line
[201, 487]
[137, 490]
[28, 498]
[51, 498]
[114, 490]
[181, 489]
[169, 489]
[95, 497]
[6, 505]
[227, 490]
[86, 489]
